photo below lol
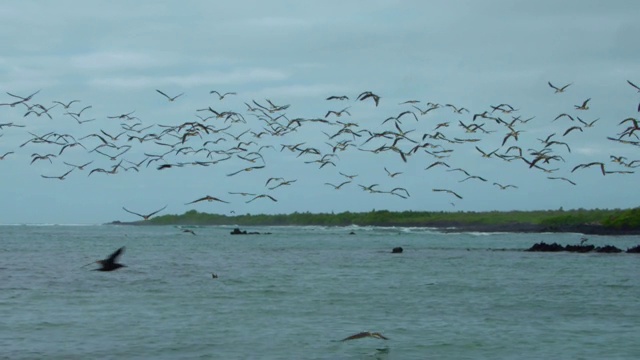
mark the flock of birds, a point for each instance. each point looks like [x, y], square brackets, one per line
[265, 129]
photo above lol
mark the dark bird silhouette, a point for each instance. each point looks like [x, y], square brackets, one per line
[364, 334]
[368, 94]
[61, 177]
[207, 198]
[634, 85]
[169, 97]
[561, 178]
[189, 231]
[336, 97]
[557, 89]
[145, 217]
[263, 196]
[221, 96]
[110, 264]
[449, 191]
[584, 105]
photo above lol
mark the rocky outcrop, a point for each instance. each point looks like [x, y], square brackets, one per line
[397, 250]
[555, 247]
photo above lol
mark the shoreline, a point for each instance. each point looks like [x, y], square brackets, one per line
[446, 227]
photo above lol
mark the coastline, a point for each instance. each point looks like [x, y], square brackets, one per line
[449, 227]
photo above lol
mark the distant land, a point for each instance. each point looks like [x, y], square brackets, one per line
[595, 222]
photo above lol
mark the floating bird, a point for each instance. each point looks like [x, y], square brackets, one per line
[364, 334]
[145, 217]
[110, 264]
[213, 275]
[559, 90]
[169, 97]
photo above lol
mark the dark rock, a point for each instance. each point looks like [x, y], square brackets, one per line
[544, 247]
[397, 250]
[237, 231]
[634, 250]
[608, 249]
[579, 248]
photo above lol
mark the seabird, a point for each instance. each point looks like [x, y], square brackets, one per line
[559, 90]
[110, 264]
[364, 334]
[145, 217]
[169, 97]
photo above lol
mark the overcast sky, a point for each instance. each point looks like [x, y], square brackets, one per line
[113, 56]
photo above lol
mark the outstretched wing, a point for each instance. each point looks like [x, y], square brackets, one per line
[124, 208]
[157, 211]
[113, 257]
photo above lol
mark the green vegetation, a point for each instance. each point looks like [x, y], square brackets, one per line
[613, 219]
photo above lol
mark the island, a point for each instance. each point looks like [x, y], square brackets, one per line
[585, 221]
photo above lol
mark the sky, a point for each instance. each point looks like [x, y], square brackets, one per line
[113, 56]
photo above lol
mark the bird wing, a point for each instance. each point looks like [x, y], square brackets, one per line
[357, 336]
[124, 208]
[167, 96]
[157, 211]
[113, 257]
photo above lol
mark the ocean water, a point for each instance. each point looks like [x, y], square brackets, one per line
[294, 293]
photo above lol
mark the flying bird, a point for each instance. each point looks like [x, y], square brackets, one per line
[634, 85]
[61, 177]
[145, 217]
[110, 264]
[169, 97]
[368, 94]
[557, 89]
[449, 191]
[263, 196]
[583, 106]
[365, 334]
[336, 97]
[221, 96]
[207, 198]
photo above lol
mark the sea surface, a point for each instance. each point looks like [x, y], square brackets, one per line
[294, 293]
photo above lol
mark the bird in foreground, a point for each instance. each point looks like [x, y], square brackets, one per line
[169, 97]
[110, 264]
[364, 334]
[145, 217]
[634, 85]
[559, 89]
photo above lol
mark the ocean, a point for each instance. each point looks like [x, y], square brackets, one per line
[295, 292]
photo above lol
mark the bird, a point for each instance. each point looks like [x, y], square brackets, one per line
[338, 97]
[583, 106]
[368, 94]
[263, 196]
[61, 177]
[207, 198]
[561, 178]
[214, 276]
[557, 89]
[5, 154]
[110, 264]
[169, 97]
[504, 187]
[145, 217]
[221, 96]
[634, 85]
[392, 174]
[337, 187]
[189, 231]
[449, 191]
[246, 169]
[365, 334]
[66, 106]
